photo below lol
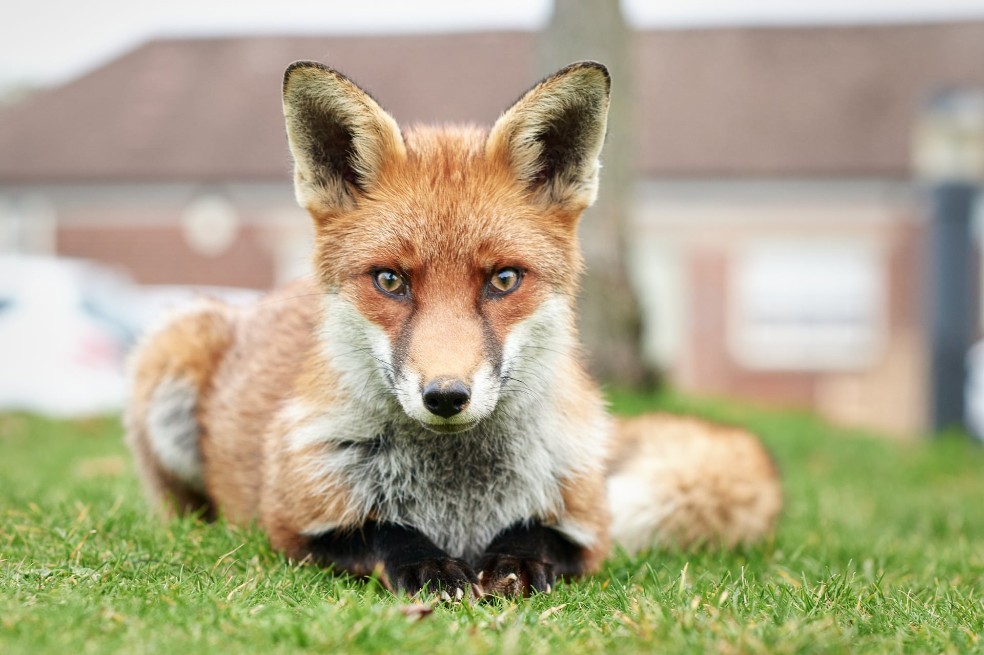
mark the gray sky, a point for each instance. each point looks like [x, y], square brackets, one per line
[49, 41]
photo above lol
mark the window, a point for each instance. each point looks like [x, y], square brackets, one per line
[807, 305]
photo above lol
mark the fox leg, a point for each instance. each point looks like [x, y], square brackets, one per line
[170, 373]
[529, 557]
[406, 559]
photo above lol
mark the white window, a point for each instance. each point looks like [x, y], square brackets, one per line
[803, 304]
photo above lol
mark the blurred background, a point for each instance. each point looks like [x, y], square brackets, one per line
[787, 212]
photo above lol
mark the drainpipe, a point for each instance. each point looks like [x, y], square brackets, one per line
[949, 162]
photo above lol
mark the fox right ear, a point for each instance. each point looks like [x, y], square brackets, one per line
[552, 136]
[339, 136]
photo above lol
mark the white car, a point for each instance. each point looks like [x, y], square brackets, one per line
[66, 327]
[62, 340]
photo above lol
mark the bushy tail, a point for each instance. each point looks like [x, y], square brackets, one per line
[682, 481]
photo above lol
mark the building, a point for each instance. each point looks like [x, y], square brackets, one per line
[779, 226]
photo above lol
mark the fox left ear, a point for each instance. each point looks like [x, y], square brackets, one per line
[552, 136]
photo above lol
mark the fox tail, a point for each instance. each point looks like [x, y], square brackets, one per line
[683, 482]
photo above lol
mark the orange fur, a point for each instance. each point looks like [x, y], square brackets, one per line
[308, 411]
[690, 483]
[190, 345]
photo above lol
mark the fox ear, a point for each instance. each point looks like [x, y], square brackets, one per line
[552, 136]
[339, 136]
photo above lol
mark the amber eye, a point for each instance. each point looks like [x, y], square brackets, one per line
[390, 282]
[504, 281]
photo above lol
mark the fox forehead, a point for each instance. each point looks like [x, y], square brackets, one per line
[448, 206]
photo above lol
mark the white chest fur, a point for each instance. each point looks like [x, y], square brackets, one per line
[460, 490]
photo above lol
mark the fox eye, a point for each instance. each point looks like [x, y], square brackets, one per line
[390, 282]
[505, 280]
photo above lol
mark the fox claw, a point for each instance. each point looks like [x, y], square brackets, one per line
[448, 578]
[504, 575]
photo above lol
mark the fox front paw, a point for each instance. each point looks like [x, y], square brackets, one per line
[451, 579]
[506, 575]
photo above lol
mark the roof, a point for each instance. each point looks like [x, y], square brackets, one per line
[210, 109]
[818, 101]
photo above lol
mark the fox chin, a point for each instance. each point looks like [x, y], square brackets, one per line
[418, 408]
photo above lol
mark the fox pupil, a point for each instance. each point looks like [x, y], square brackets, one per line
[505, 280]
[390, 282]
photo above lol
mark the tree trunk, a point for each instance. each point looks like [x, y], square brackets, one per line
[610, 317]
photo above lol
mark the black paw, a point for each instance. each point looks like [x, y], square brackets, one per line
[451, 579]
[506, 575]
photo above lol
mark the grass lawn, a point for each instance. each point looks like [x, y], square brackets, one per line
[880, 550]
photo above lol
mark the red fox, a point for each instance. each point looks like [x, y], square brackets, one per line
[418, 409]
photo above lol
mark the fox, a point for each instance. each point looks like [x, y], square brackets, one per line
[418, 408]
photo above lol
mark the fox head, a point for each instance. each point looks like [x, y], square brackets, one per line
[448, 256]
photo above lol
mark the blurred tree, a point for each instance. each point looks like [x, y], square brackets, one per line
[610, 317]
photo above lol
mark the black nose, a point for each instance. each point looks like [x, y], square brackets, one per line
[446, 396]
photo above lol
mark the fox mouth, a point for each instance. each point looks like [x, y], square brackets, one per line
[449, 428]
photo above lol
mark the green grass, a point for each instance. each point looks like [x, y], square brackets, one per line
[880, 550]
